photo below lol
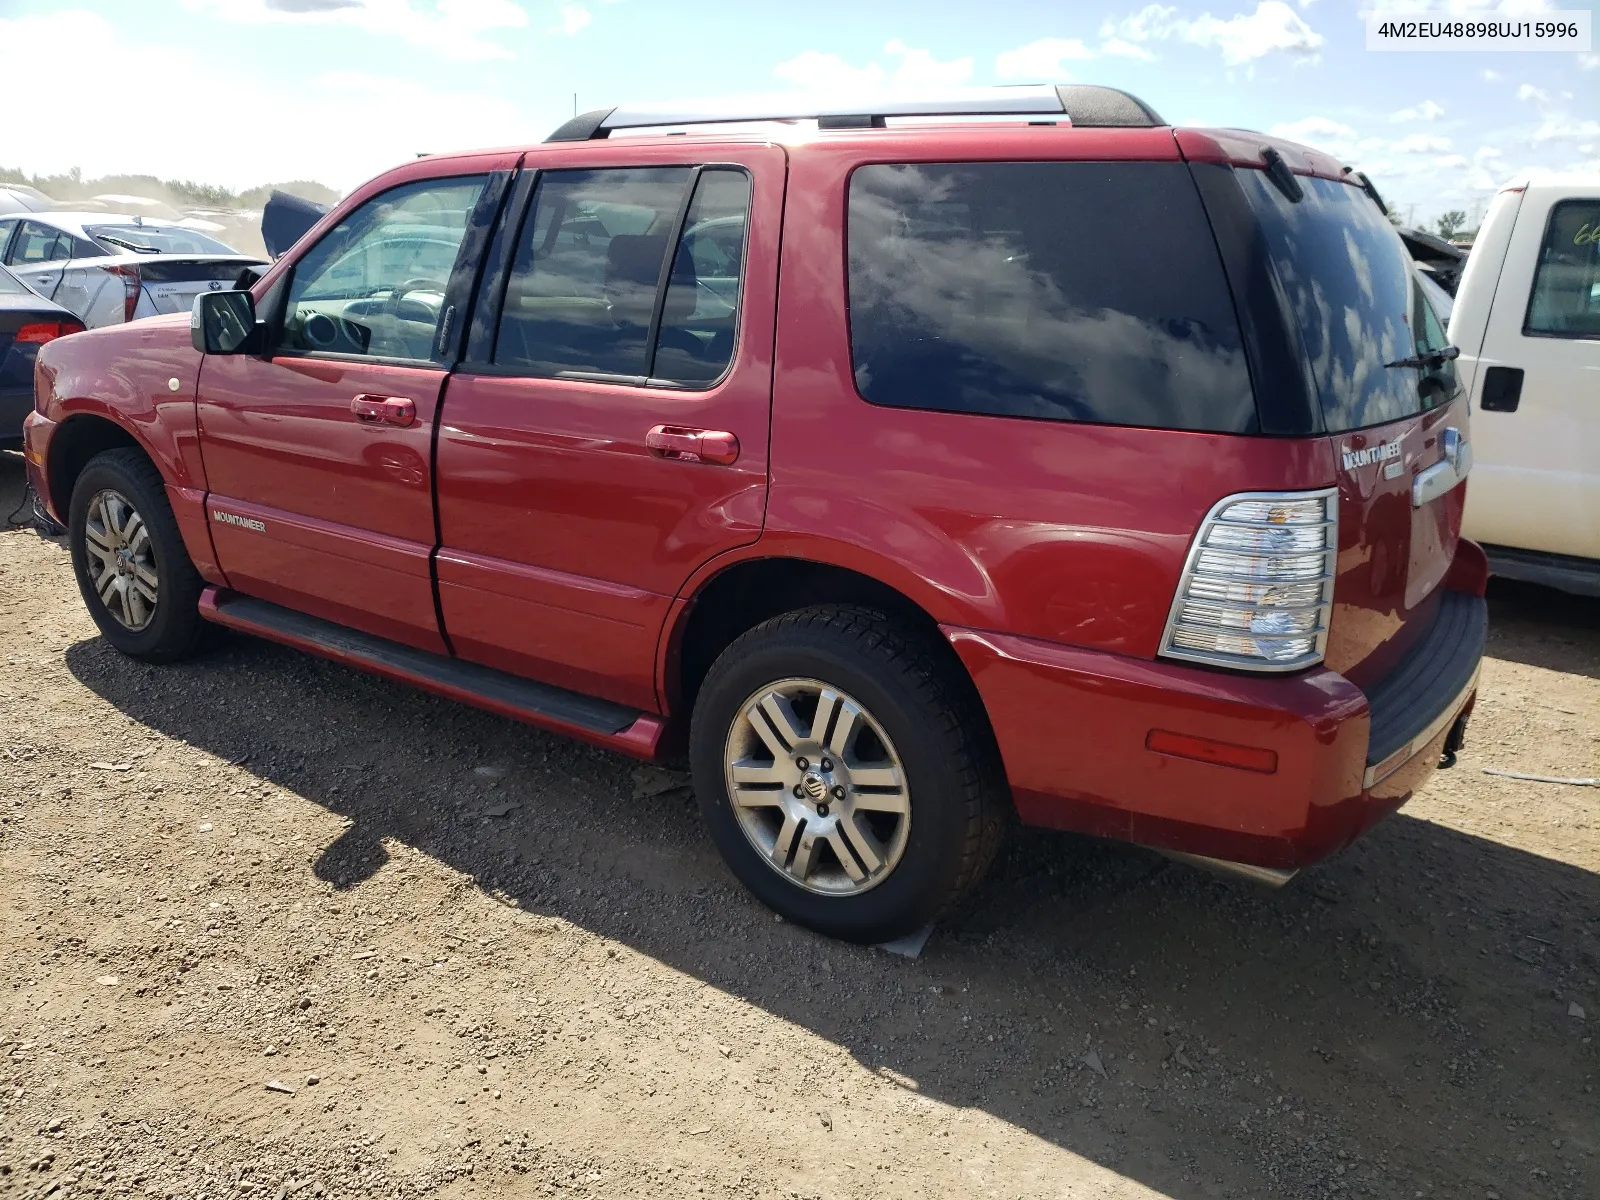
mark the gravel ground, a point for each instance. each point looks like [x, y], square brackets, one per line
[271, 927]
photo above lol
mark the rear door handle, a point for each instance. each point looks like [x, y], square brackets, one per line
[692, 445]
[387, 410]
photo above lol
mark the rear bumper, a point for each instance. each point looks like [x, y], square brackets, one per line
[1074, 728]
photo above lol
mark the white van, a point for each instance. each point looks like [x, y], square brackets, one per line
[1527, 320]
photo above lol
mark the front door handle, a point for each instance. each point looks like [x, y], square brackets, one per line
[692, 445]
[388, 410]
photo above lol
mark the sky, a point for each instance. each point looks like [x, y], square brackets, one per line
[242, 92]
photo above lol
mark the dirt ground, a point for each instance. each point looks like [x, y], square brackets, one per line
[270, 925]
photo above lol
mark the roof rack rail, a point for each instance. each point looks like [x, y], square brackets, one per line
[1084, 105]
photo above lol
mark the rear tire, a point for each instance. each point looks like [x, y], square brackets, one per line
[136, 577]
[901, 804]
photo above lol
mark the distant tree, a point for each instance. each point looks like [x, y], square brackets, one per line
[1451, 223]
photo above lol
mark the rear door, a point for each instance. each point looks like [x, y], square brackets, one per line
[607, 434]
[38, 254]
[1537, 388]
[1391, 417]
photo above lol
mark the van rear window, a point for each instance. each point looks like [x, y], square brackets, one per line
[1081, 291]
[1355, 298]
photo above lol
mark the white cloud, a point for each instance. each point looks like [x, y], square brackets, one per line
[1528, 92]
[1426, 111]
[212, 148]
[1420, 143]
[1273, 28]
[1565, 129]
[575, 19]
[917, 68]
[1321, 133]
[1457, 8]
[459, 29]
[1117, 48]
[1041, 60]
[1491, 76]
[1589, 61]
[1449, 162]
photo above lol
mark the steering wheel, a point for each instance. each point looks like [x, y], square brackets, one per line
[398, 295]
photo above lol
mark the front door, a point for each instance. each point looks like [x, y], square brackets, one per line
[607, 433]
[318, 454]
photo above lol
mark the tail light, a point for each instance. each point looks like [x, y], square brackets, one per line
[1257, 589]
[40, 332]
[132, 284]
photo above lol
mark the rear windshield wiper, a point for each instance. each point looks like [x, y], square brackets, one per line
[1428, 359]
[134, 246]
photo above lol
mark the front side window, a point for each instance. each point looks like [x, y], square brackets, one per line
[376, 282]
[589, 292]
[1566, 285]
[1080, 291]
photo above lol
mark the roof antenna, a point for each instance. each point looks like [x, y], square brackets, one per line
[1282, 177]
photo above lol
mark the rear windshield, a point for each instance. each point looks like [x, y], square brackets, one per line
[155, 239]
[1356, 301]
[9, 284]
[1076, 291]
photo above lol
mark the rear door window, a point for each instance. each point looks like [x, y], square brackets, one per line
[1077, 291]
[39, 243]
[1566, 286]
[589, 294]
[1355, 299]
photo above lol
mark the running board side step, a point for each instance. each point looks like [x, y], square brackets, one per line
[586, 718]
[1272, 877]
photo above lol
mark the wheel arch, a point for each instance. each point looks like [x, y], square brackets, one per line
[738, 596]
[73, 443]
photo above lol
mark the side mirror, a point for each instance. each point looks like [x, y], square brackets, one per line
[224, 323]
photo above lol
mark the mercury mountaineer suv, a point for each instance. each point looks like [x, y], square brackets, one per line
[905, 465]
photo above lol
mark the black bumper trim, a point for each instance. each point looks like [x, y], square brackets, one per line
[1431, 679]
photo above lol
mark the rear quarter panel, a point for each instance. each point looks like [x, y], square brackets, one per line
[1072, 533]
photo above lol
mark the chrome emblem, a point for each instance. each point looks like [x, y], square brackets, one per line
[816, 787]
[1371, 454]
[215, 285]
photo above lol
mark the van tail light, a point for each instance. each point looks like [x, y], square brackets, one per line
[1257, 589]
[39, 332]
[132, 284]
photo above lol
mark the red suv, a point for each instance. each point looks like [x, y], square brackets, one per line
[906, 469]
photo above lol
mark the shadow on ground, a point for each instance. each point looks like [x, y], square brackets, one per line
[1401, 999]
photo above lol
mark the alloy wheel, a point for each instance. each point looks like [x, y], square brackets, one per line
[817, 787]
[121, 560]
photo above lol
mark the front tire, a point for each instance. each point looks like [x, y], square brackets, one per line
[135, 575]
[847, 775]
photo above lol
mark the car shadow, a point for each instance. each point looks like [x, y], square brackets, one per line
[1542, 627]
[1354, 1028]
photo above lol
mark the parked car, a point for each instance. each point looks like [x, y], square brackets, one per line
[27, 321]
[20, 198]
[1024, 474]
[107, 269]
[1527, 319]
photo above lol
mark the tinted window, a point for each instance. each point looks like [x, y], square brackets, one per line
[1069, 291]
[155, 239]
[1566, 287]
[376, 282]
[586, 285]
[1355, 300]
[702, 302]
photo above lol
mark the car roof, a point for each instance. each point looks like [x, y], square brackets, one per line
[74, 222]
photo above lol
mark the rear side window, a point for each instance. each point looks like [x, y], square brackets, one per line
[590, 295]
[1566, 287]
[1064, 291]
[1355, 299]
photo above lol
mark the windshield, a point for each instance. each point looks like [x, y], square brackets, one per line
[155, 239]
[1356, 300]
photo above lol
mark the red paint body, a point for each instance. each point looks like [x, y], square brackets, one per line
[531, 517]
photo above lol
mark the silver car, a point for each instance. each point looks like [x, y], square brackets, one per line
[107, 268]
